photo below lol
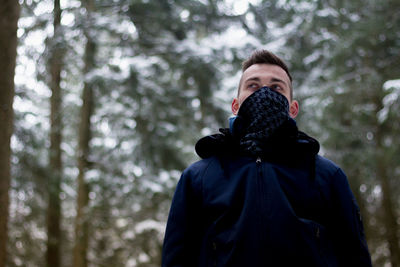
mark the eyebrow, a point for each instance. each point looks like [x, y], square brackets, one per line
[278, 80]
[273, 79]
[253, 79]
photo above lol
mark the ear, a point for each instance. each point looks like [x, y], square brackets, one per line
[235, 106]
[294, 109]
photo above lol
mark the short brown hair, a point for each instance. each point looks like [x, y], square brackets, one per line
[263, 56]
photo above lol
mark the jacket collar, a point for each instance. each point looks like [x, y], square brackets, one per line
[286, 145]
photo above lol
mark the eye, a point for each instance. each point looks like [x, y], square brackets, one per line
[276, 87]
[253, 85]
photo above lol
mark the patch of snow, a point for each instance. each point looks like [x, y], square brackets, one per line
[389, 99]
[391, 84]
[326, 12]
[149, 225]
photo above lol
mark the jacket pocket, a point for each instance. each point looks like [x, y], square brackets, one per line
[319, 243]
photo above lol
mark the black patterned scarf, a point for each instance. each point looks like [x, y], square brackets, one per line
[259, 116]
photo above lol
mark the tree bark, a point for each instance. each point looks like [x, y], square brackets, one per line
[9, 14]
[55, 161]
[81, 221]
[390, 218]
[356, 183]
[390, 221]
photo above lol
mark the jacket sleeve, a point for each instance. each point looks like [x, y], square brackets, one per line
[348, 230]
[182, 239]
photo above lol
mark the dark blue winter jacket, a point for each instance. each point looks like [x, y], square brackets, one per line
[287, 207]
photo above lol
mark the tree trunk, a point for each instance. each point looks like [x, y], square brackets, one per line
[54, 209]
[390, 218]
[390, 221]
[356, 183]
[9, 14]
[81, 222]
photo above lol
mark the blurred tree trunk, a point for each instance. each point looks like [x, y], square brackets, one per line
[9, 14]
[54, 209]
[390, 218]
[81, 222]
[356, 184]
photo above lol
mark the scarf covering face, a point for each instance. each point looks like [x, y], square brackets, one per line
[259, 116]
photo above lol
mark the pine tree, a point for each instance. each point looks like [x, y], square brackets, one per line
[55, 162]
[82, 215]
[9, 14]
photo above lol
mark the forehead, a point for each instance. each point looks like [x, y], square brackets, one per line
[265, 71]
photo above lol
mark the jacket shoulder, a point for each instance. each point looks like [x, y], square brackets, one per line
[199, 168]
[325, 166]
[328, 174]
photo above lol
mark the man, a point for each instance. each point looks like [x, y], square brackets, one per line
[261, 195]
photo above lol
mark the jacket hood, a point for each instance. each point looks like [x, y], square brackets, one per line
[287, 144]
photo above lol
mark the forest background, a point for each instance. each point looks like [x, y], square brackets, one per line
[102, 101]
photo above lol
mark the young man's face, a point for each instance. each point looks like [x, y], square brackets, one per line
[260, 75]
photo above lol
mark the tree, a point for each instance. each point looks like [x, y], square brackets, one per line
[82, 218]
[55, 161]
[9, 14]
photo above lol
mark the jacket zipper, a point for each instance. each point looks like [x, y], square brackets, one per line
[260, 196]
